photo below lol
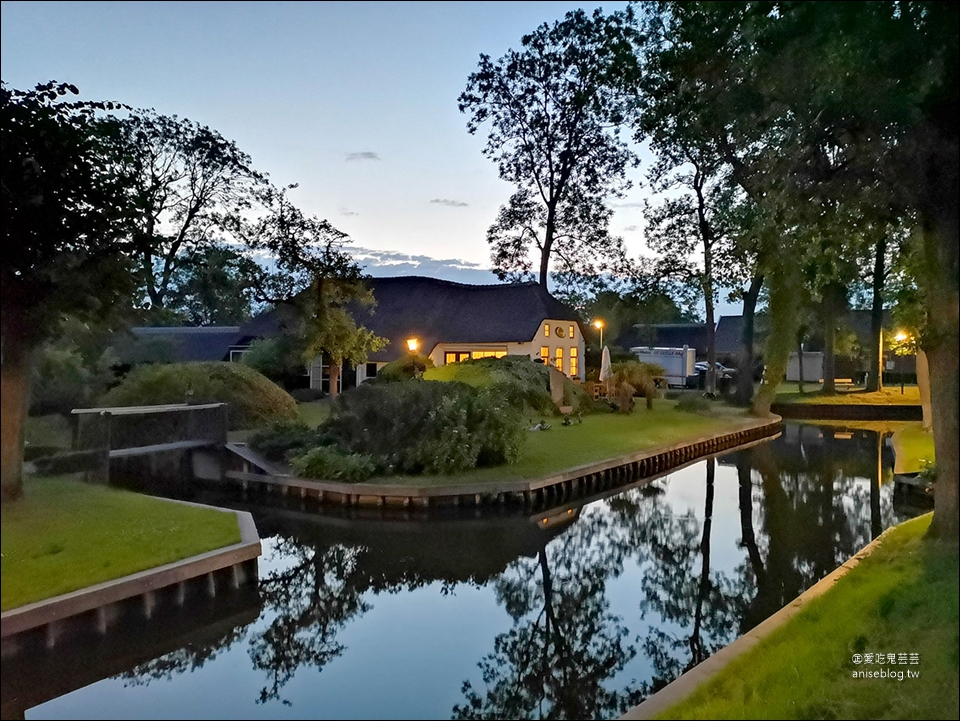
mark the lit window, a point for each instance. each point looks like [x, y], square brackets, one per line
[559, 361]
[570, 334]
[489, 353]
[545, 355]
[574, 363]
[546, 330]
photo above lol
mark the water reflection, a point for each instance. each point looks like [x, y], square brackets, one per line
[503, 615]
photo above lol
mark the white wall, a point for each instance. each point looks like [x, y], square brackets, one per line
[812, 367]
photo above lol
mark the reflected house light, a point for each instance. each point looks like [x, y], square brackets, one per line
[413, 344]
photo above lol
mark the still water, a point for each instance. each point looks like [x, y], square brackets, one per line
[498, 615]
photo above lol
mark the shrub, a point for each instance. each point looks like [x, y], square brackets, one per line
[404, 369]
[282, 440]
[631, 378]
[254, 400]
[328, 463]
[306, 395]
[279, 358]
[693, 403]
[63, 380]
[426, 427]
[521, 382]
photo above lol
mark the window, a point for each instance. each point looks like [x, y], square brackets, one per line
[545, 355]
[546, 330]
[236, 356]
[570, 334]
[489, 353]
[574, 363]
[371, 370]
[455, 356]
[559, 361]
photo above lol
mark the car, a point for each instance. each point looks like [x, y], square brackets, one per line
[722, 370]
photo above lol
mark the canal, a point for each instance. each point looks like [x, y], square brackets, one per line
[579, 612]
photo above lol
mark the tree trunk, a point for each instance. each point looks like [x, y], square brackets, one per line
[800, 366]
[548, 236]
[875, 368]
[334, 374]
[697, 652]
[782, 331]
[829, 349]
[923, 386]
[944, 398]
[745, 368]
[14, 398]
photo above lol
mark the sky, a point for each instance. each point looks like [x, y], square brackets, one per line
[356, 102]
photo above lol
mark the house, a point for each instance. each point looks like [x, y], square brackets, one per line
[451, 322]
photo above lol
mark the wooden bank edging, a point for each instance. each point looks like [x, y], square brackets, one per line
[681, 687]
[848, 412]
[557, 488]
[94, 598]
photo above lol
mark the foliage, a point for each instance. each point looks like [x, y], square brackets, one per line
[518, 380]
[551, 106]
[279, 441]
[254, 400]
[630, 378]
[412, 365]
[307, 395]
[693, 403]
[426, 426]
[329, 463]
[279, 358]
[188, 178]
[63, 380]
[212, 286]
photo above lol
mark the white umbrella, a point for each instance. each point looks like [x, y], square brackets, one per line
[605, 365]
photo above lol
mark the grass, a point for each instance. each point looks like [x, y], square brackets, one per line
[599, 437]
[314, 413]
[65, 534]
[903, 598]
[789, 393]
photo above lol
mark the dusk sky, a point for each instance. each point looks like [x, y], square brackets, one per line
[355, 101]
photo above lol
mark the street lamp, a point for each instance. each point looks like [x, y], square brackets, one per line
[598, 324]
[413, 344]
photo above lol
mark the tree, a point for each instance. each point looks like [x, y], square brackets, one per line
[188, 179]
[555, 108]
[214, 286]
[66, 235]
[311, 272]
[847, 113]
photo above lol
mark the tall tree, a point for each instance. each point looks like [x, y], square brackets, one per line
[849, 110]
[66, 236]
[214, 286]
[188, 177]
[555, 108]
[312, 272]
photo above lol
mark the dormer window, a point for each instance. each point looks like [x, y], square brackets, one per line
[546, 330]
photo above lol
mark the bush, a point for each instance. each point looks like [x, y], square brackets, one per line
[62, 380]
[285, 439]
[426, 427]
[521, 382]
[331, 464]
[403, 369]
[693, 403]
[254, 401]
[306, 395]
[631, 378]
[279, 358]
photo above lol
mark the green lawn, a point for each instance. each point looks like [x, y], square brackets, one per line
[600, 436]
[902, 599]
[891, 395]
[314, 413]
[65, 534]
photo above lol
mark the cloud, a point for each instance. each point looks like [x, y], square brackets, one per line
[381, 263]
[626, 205]
[365, 155]
[631, 228]
[449, 203]
[346, 211]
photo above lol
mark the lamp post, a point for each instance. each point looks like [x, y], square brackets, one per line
[598, 324]
[413, 344]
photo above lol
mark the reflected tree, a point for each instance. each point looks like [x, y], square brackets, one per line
[565, 645]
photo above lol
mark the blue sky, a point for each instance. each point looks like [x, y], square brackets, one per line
[355, 101]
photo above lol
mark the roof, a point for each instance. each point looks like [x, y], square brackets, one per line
[442, 311]
[179, 344]
[729, 334]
